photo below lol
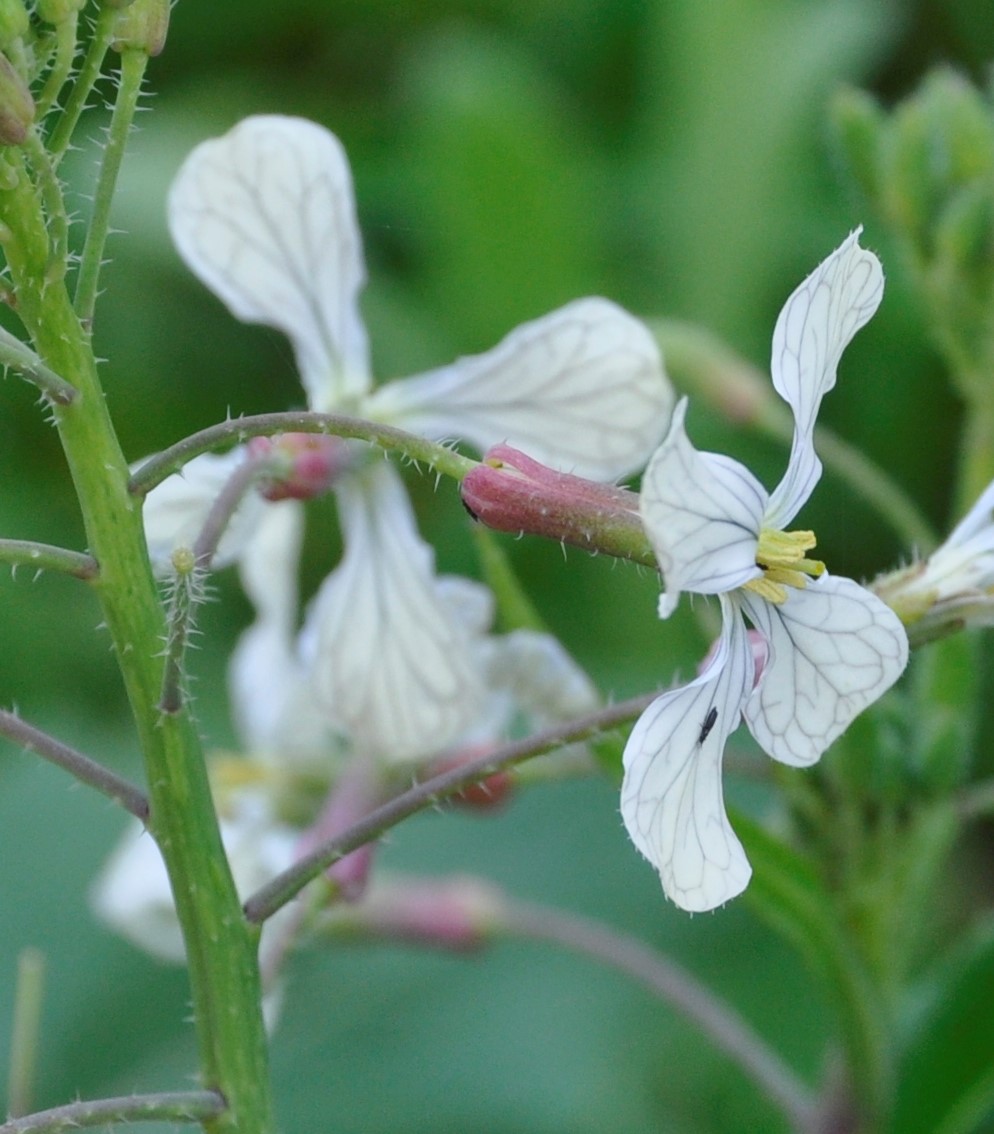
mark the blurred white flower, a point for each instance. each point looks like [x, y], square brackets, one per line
[954, 587]
[265, 216]
[822, 647]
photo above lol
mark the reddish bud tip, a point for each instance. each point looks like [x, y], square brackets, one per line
[304, 464]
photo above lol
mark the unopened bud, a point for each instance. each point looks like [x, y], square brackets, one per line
[58, 11]
[141, 26]
[511, 492]
[486, 794]
[13, 22]
[305, 464]
[456, 913]
[17, 108]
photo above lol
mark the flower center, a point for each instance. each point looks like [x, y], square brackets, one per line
[781, 557]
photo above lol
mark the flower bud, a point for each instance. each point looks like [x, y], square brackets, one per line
[305, 464]
[487, 794]
[17, 108]
[58, 11]
[510, 492]
[141, 26]
[13, 22]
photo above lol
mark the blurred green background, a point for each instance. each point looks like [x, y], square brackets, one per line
[508, 156]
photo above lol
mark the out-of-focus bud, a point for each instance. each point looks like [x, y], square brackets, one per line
[141, 26]
[116, 3]
[13, 22]
[457, 913]
[307, 464]
[17, 108]
[485, 795]
[927, 165]
[57, 11]
[510, 492]
[954, 587]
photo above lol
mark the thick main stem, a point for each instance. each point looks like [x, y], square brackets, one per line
[221, 945]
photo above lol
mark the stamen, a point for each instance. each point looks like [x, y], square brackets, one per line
[784, 564]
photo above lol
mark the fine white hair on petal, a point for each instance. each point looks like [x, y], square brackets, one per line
[388, 661]
[834, 649]
[265, 216]
[672, 801]
[175, 511]
[702, 514]
[816, 324]
[582, 389]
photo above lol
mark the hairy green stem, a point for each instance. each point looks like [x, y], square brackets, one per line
[220, 945]
[133, 64]
[155, 469]
[89, 72]
[285, 886]
[55, 210]
[168, 1106]
[85, 770]
[46, 557]
[20, 357]
[65, 52]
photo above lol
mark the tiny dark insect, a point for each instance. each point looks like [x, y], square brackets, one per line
[708, 724]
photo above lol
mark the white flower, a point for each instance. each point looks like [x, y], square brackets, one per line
[265, 217]
[822, 648]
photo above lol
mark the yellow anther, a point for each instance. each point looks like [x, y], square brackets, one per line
[781, 556]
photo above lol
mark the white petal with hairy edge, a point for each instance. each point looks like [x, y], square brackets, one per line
[175, 511]
[702, 514]
[834, 649]
[815, 326]
[387, 659]
[265, 216]
[671, 797]
[582, 389]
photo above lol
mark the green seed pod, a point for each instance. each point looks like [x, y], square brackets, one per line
[142, 26]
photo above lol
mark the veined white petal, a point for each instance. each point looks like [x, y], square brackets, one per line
[265, 216]
[815, 326]
[543, 679]
[271, 701]
[702, 513]
[175, 511]
[671, 797]
[834, 649]
[582, 389]
[388, 660]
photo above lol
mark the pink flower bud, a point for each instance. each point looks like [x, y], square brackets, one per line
[455, 913]
[511, 492]
[304, 464]
[486, 795]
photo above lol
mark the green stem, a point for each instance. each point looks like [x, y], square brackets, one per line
[54, 207]
[438, 457]
[85, 770]
[220, 945]
[20, 357]
[169, 1106]
[46, 557]
[284, 887]
[89, 72]
[133, 64]
[25, 1031]
[65, 52]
